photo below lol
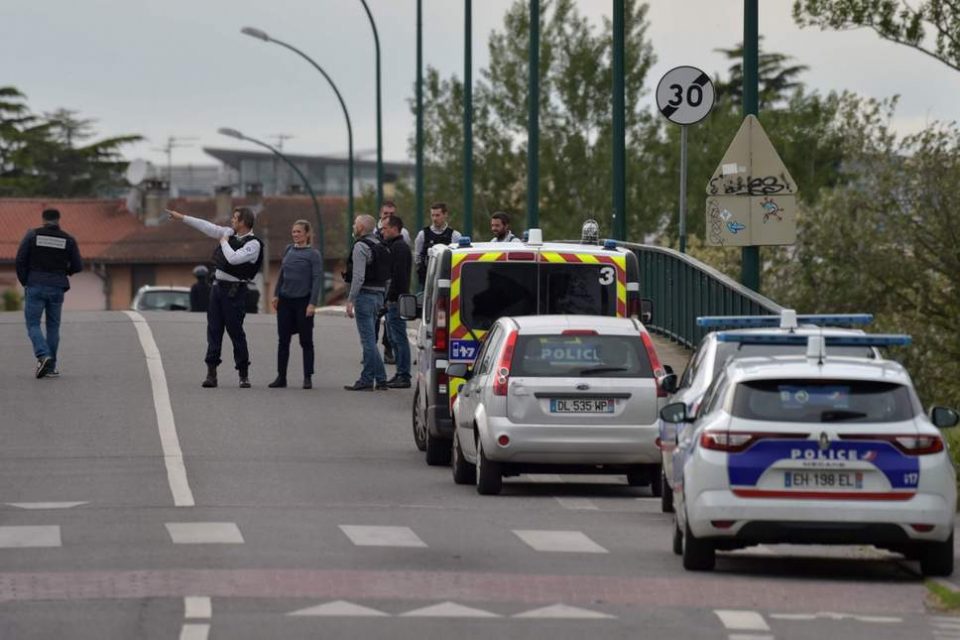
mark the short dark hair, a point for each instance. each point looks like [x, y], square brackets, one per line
[394, 222]
[245, 215]
[388, 203]
[50, 215]
[502, 216]
[439, 205]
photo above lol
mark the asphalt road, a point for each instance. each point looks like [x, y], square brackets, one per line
[135, 504]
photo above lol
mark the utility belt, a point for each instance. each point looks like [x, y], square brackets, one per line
[232, 287]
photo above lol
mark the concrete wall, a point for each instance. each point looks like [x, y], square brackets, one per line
[86, 289]
[120, 284]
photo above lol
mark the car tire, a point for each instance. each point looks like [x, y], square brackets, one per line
[698, 554]
[489, 478]
[677, 539]
[639, 478]
[463, 471]
[656, 482]
[419, 424]
[666, 495]
[936, 558]
[438, 451]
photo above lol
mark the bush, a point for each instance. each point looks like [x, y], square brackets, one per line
[11, 300]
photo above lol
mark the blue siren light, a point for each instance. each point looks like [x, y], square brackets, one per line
[464, 241]
[756, 322]
[876, 340]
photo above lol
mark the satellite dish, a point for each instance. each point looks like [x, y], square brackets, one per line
[136, 171]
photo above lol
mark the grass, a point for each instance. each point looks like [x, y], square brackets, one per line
[943, 598]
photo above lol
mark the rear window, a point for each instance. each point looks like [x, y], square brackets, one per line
[166, 300]
[491, 290]
[726, 350]
[555, 356]
[823, 401]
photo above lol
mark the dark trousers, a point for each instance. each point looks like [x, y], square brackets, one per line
[292, 318]
[226, 311]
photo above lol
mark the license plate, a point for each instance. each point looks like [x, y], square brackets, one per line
[841, 480]
[591, 405]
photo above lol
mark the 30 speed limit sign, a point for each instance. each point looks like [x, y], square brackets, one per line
[685, 95]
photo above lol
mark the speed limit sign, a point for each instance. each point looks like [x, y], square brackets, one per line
[685, 95]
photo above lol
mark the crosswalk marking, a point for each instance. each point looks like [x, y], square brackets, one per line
[449, 610]
[197, 607]
[577, 504]
[366, 536]
[559, 541]
[339, 608]
[23, 537]
[204, 532]
[192, 631]
[738, 620]
[45, 505]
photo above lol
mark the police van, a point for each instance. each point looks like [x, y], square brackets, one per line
[469, 286]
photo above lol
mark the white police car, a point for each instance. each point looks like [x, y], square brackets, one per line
[711, 356]
[812, 449]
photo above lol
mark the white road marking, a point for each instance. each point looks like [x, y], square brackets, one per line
[193, 631]
[832, 615]
[748, 636]
[45, 505]
[24, 537]
[363, 536]
[738, 620]
[338, 608]
[172, 455]
[564, 611]
[197, 607]
[204, 533]
[577, 504]
[559, 541]
[449, 610]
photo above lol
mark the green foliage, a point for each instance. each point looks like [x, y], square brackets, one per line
[11, 300]
[52, 155]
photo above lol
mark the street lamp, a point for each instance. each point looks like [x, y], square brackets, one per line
[233, 133]
[376, 42]
[262, 35]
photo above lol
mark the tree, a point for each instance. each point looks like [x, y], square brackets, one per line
[893, 20]
[776, 80]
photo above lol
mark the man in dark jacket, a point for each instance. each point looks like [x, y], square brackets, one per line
[402, 263]
[46, 257]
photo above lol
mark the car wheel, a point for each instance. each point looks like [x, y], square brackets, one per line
[656, 482]
[489, 478]
[677, 538]
[463, 471]
[419, 424]
[666, 495]
[638, 478]
[936, 558]
[438, 451]
[698, 554]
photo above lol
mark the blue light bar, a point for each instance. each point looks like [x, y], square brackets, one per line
[609, 244]
[875, 340]
[464, 241]
[835, 319]
[820, 320]
[738, 321]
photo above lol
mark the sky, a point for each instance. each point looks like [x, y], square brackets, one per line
[179, 68]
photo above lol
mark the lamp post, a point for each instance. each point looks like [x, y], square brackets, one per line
[261, 35]
[750, 256]
[376, 42]
[419, 205]
[233, 133]
[533, 119]
[467, 118]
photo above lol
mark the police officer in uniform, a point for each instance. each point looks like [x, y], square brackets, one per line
[200, 291]
[46, 257]
[237, 258]
[437, 233]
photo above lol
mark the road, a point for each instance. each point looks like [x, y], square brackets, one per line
[135, 504]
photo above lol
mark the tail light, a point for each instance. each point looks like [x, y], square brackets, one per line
[737, 441]
[579, 332]
[658, 370]
[440, 331]
[502, 373]
[912, 445]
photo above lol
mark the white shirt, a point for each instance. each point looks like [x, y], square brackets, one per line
[247, 253]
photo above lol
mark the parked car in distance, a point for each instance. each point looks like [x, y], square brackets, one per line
[161, 298]
[560, 394]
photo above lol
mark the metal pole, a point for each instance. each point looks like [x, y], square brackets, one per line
[533, 120]
[467, 119]
[750, 256]
[619, 127]
[683, 189]
[376, 41]
[419, 180]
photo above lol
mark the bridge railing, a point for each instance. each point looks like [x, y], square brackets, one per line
[682, 288]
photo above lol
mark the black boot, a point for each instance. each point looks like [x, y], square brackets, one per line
[279, 383]
[307, 384]
[244, 380]
[211, 379]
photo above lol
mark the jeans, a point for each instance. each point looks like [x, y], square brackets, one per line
[397, 330]
[292, 318]
[365, 309]
[227, 312]
[40, 300]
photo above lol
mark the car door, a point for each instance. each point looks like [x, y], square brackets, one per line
[473, 394]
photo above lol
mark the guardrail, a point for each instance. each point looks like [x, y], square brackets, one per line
[683, 288]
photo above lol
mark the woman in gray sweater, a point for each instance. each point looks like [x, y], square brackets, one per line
[295, 299]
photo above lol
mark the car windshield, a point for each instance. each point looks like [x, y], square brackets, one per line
[573, 356]
[823, 401]
[727, 350]
[491, 290]
[166, 300]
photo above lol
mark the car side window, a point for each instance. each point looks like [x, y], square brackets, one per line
[428, 292]
[714, 396]
[489, 350]
[693, 365]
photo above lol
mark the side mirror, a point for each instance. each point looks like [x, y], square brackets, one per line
[669, 383]
[646, 310]
[668, 368]
[407, 305]
[944, 418]
[459, 370]
[675, 412]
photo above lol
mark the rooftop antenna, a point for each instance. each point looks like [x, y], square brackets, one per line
[280, 137]
[174, 142]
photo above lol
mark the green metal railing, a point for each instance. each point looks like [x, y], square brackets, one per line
[683, 288]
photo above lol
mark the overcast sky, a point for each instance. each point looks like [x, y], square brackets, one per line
[181, 68]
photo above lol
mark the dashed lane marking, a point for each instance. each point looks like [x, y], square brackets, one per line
[749, 636]
[197, 607]
[565, 612]
[577, 504]
[559, 541]
[339, 608]
[364, 536]
[739, 620]
[204, 532]
[36, 506]
[831, 615]
[23, 537]
[194, 631]
[449, 610]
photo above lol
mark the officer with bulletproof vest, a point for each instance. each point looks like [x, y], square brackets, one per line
[237, 258]
[437, 233]
[200, 291]
[368, 274]
[46, 257]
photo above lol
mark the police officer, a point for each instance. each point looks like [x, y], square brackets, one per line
[237, 258]
[437, 233]
[46, 257]
[200, 291]
[396, 327]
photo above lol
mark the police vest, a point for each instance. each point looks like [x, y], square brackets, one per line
[49, 251]
[430, 238]
[244, 271]
[378, 270]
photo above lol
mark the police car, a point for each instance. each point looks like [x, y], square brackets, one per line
[814, 449]
[711, 356]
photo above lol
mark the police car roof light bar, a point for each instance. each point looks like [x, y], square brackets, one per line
[874, 340]
[464, 241]
[784, 321]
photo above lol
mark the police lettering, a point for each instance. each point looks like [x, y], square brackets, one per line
[575, 354]
[832, 454]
